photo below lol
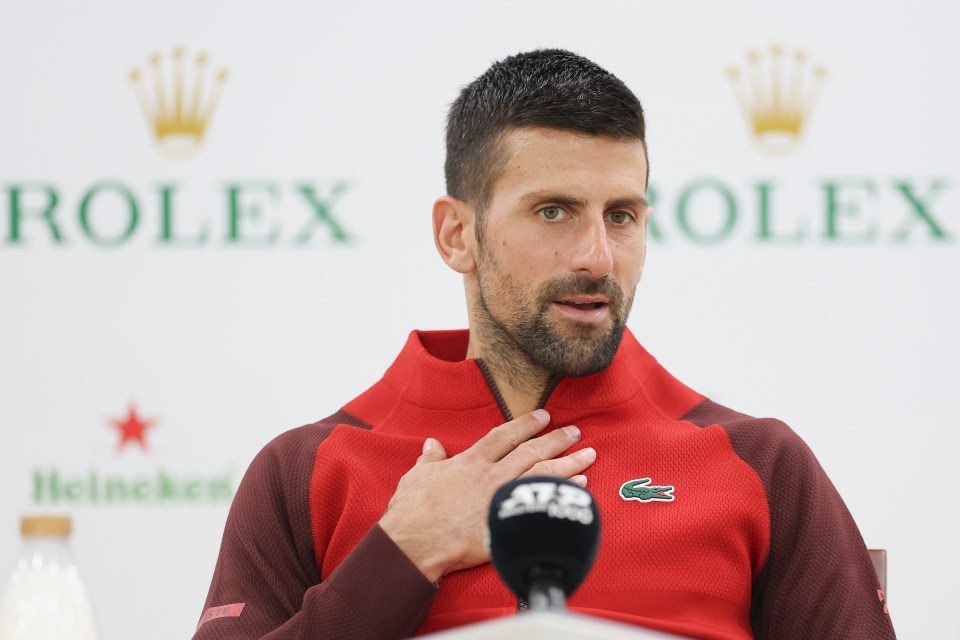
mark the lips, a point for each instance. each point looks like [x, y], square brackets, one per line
[583, 300]
[586, 302]
[584, 308]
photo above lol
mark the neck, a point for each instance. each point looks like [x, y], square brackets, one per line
[520, 382]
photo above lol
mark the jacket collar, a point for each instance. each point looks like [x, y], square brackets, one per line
[432, 371]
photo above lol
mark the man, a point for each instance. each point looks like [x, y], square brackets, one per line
[369, 524]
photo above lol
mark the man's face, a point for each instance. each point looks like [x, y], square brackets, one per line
[562, 247]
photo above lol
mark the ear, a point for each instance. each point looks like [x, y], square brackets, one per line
[453, 233]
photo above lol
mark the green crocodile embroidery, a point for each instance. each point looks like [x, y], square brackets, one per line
[638, 490]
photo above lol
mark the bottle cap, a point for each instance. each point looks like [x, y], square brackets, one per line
[45, 525]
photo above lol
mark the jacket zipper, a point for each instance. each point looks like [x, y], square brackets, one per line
[485, 370]
[552, 383]
[541, 403]
[548, 390]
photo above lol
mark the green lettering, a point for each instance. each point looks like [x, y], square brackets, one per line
[73, 490]
[729, 214]
[323, 213]
[838, 206]
[167, 489]
[193, 490]
[18, 212]
[920, 208]
[45, 487]
[253, 211]
[116, 490]
[653, 229]
[167, 234]
[132, 213]
[94, 489]
[766, 233]
[221, 489]
[141, 490]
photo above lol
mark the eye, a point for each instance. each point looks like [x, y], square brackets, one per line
[552, 214]
[619, 218]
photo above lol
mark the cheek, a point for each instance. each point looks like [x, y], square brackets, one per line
[629, 260]
[526, 260]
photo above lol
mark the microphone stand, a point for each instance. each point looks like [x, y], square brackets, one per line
[545, 592]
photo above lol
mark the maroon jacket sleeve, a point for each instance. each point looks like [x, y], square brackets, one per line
[818, 581]
[266, 584]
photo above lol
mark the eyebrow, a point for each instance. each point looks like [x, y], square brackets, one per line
[570, 201]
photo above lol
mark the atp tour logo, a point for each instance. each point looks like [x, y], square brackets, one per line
[559, 501]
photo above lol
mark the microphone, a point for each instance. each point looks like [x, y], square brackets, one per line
[543, 534]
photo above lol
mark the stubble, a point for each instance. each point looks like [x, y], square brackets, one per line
[527, 345]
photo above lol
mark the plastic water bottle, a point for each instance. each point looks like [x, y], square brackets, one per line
[46, 599]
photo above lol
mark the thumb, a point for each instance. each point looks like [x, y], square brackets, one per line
[433, 451]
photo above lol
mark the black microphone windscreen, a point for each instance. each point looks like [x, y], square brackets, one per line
[541, 524]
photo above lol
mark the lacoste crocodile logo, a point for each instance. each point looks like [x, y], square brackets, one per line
[639, 490]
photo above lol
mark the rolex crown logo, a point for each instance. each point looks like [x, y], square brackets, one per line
[178, 99]
[777, 94]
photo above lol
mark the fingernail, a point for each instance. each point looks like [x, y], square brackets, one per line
[429, 444]
[589, 454]
[541, 416]
[579, 480]
[572, 432]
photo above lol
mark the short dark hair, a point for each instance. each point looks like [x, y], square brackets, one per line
[544, 88]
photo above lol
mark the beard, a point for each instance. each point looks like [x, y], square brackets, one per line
[573, 350]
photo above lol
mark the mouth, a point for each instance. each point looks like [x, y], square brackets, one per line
[588, 309]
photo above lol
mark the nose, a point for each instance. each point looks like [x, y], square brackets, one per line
[592, 255]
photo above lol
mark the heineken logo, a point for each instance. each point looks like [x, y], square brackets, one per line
[132, 429]
[52, 486]
[642, 491]
[106, 485]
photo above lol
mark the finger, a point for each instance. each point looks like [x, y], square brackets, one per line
[510, 435]
[565, 467]
[579, 480]
[433, 451]
[535, 451]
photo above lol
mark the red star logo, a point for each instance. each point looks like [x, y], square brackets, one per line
[132, 428]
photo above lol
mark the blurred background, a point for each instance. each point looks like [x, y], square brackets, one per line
[179, 284]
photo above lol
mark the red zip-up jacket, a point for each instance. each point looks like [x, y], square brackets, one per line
[755, 541]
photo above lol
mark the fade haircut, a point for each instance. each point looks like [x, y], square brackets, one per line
[544, 88]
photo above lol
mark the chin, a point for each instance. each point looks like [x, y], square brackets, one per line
[588, 331]
[589, 351]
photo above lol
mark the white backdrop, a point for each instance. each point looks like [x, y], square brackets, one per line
[223, 338]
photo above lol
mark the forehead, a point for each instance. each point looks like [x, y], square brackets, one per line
[571, 162]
